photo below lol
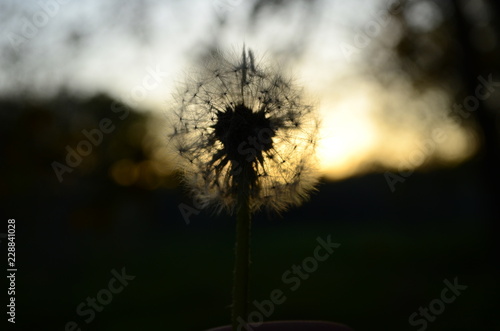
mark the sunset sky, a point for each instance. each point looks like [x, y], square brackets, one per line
[88, 47]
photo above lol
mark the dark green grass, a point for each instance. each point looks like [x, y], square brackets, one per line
[373, 281]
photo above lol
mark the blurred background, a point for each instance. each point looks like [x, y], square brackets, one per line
[409, 96]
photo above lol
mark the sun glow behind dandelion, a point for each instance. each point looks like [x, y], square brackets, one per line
[347, 134]
[240, 124]
[355, 131]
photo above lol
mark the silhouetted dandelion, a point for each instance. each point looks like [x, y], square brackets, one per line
[245, 140]
[238, 123]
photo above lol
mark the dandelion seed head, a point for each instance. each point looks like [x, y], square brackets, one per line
[239, 124]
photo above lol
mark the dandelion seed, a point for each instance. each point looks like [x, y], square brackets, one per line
[251, 128]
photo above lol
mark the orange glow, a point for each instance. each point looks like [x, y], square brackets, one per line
[124, 172]
[346, 137]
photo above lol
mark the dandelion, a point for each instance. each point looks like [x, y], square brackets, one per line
[238, 124]
[245, 140]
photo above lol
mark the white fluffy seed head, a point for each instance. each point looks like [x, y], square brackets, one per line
[236, 121]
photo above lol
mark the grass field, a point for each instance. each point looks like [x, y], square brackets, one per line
[375, 280]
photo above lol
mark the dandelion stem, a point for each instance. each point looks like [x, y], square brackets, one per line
[242, 259]
[243, 75]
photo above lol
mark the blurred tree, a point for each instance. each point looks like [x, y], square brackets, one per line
[36, 135]
[455, 45]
